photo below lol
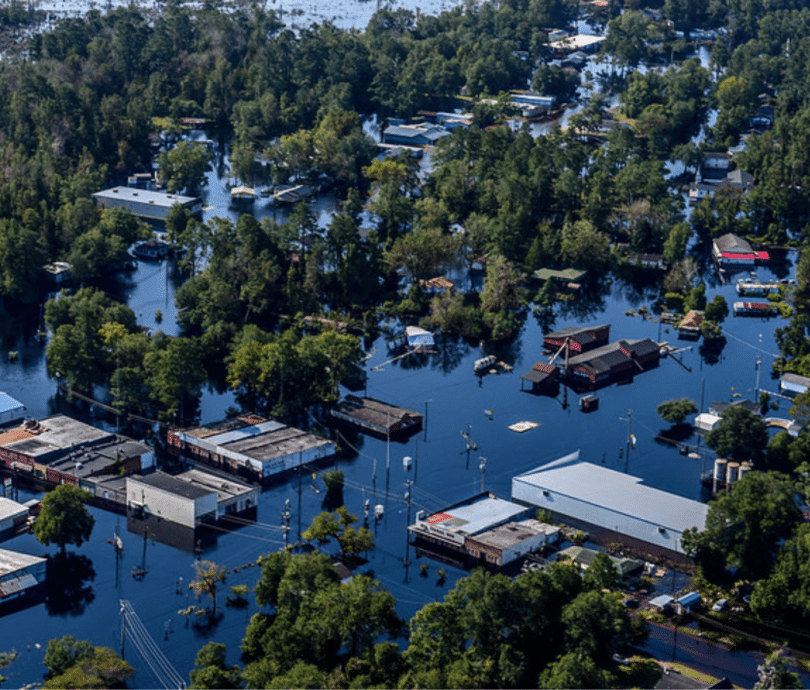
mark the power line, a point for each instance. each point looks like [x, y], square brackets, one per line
[133, 628]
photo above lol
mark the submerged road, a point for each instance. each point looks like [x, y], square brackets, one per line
[738, 666]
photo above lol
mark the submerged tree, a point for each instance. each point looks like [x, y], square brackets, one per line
[64, 518]
[209, 575]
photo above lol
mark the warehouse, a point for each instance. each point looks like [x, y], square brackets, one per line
[12, 515]
[250, 446]
[146, 204]
[611, 504]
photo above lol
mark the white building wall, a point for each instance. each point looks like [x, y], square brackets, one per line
[205, 505]
[163, 504]
[512, 553]
[597, 515]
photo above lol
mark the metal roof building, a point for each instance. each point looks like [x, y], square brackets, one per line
[611, 501]
[145, 203]
[19, 573]
[10, 409]
[11, 514]
[249, 445]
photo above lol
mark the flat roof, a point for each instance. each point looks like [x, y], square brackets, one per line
[145, 196]
[476, 515]
[11, 509]
[12, 561]
[616, 491]
[59, 432]
[576, 42]
[225, 487]
[513, 533]
[173, 485]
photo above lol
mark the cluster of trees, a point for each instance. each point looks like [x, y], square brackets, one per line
[76, 663]
[316, 632]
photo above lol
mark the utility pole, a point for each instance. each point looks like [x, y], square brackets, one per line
[756, 392]
[407, 524]
[482, 464]
[123, 609]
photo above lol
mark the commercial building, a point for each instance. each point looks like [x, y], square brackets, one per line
[504, 544]
[482, 530]
[164, 496]
[62, 450]
[611, 505]
[20, 574]
[250, 446]
[144, 203]
[578, 339]
[731, 250]
[614, 361]
[377, 417]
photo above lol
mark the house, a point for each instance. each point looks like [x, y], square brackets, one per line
[57, 274]
[731, 250]
[542, 376]
[622, 358]
[580, 42]
[792, 385]
[714, 173]
[689, 327]
[566, 277]
[739, 180]
[663, 602]
[583, 558]
[578, 339]
[144, 203]
[706, 421]
[414, 135]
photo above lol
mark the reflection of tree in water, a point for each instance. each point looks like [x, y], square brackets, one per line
[780, 263]
[638, 286]
[589, 301]
[675, 434]
[546, 319]
[711, 350]
[68, 588]
[508, 350]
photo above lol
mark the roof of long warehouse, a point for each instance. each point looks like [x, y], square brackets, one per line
[616, 491]
[252, 438]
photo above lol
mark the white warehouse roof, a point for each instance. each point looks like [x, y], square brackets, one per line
[592, 489]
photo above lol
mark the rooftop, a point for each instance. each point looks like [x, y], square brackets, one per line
[225, 487]
[173, 485]
[476, 514]
[616, 491]
[144, 196]
[12, 561]
[56, 433]
[10, 509]
[512, 533]
[8, 404]
[731, 243]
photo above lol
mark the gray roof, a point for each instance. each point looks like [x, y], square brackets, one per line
[173, 485]
[795, 379]
[616, 491]
[9, 508]
[226, 487]
[731, 243]
[144, 196]
[12, 561]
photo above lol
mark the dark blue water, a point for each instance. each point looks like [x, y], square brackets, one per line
[456, 400]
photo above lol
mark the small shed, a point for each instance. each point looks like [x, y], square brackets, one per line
[687, 602]
[418, 338]
[662, 602]
[706, 421]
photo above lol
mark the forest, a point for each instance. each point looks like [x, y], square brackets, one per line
[100, 97]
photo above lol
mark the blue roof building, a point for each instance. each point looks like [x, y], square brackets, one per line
[10, 409]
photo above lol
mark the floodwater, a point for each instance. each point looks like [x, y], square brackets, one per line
[442, 386]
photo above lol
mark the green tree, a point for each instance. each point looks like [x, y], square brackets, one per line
[422, 253]
[745, 526]
[64, 518]
[211, 671]
[62, 653]
[602, 574]
[208, 577]
[597, 626]
[100, 668]
[184, 166]
[573, 670]
[717, 310]
[339, 526]
[503, 297]
[740, 435]
[676, 411]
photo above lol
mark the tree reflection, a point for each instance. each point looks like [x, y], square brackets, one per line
[712, 349]
[68, 588]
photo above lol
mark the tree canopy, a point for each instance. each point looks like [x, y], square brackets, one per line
[64, 518]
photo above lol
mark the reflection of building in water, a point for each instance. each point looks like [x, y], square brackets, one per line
[172, 534]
